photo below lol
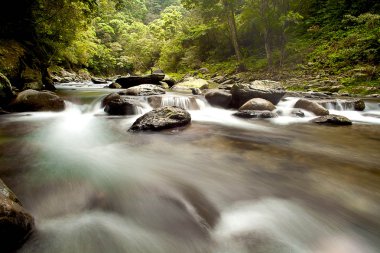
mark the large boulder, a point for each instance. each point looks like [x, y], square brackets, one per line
[343, 104]
[130, 81]
[333, 120]
[219, 98]
[266, 85]
[122, 106]
[16, 224]
[6, 93]
[191, 82]
[184, 102]
[32, 100]
[166, 117]
[241, 93]
[257, 104]
[251, 114]
[311, 106]
[110, 97]
[145, 90]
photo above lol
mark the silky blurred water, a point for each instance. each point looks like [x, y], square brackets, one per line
[220, 185]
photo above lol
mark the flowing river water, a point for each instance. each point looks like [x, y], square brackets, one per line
[220, 185]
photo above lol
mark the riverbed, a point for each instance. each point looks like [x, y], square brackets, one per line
[222, 184]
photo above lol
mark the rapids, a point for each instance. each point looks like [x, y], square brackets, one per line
[221, 185]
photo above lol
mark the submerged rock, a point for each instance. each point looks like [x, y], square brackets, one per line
[145, 90]
[241, 93]
[16, 224]
[218, 98]
[252, 114]
[32, 100]
[257, 104]
[311, 106]
[162, 118]
[333, 120]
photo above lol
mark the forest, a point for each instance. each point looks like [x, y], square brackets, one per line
[273, 39]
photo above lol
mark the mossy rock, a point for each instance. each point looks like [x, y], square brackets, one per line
[6, 93]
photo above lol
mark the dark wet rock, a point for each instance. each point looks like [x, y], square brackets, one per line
[241, 93]
[169, 81]
[32, 100]
[98, 80]
[196, 91]
[162, 118]
[219, 98]
[311, 106]
[130, 81]
[338, 104]
[115, 86]
[6, 93]
[251, 114]
[16, 224]
[145, 90]
[122, 106]
[257, 104]
[184, 102]
[110, 97]
[333, 120]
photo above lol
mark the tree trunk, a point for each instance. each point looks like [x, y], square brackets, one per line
[232, 28]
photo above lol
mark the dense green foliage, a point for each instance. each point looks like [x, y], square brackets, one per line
[338, 37]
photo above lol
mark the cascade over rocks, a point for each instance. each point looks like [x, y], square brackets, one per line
[354, 104]
[333, 119]
[257, 104]
[241, 93]
[130, 81]
[219, 98]
[311, 106]
[16, 224]
[145, 90]
[32, 101]
[166, 117]
[187, 103]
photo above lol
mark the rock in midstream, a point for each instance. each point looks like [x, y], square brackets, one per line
[166, 117]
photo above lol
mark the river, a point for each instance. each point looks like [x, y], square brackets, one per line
[220, 185]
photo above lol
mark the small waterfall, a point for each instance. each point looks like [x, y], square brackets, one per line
[188, 103]
[339, 105]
